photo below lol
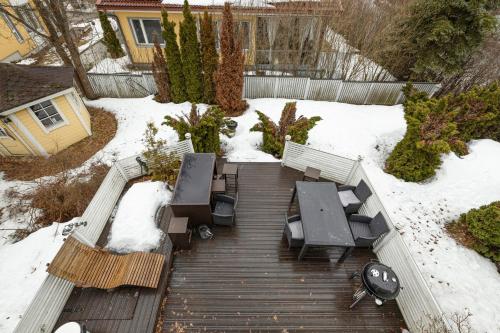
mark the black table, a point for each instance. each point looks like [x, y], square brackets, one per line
[193, 188]
[323, 217]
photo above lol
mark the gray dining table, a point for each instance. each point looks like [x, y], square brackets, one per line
[323, 218]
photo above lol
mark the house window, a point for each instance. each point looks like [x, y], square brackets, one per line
[28, 15]
[3, 133]
[217, 26]
[145, 30]
[13, 28]
[47, 114]
[243, 31]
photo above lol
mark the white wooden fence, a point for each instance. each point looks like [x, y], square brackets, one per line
[416, 302]
[353, 92]
[45, 308]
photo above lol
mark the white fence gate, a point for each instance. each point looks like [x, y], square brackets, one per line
[353, 92]
[416, 302]
[45, 308]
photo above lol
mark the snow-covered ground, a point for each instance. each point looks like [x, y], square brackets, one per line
[458, 277]
[134, 225]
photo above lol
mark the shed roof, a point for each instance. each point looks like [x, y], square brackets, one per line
[21, 84]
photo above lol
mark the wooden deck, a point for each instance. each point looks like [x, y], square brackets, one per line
[246, 280]
[124, 309]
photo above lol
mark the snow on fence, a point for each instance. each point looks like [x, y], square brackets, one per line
[416, 302]
[45, 308]
[353, 92]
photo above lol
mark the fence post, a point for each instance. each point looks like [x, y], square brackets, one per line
[308, 84]
[287, 140]
[339, 91]
[188, 137]
[276, 85]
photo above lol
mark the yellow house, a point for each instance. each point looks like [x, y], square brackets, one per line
[273, 32]
[16, 41]
[41, 113]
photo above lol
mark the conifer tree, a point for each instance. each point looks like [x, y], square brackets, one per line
[174, 64]
[229, 78]
[160, 73]
[190, 55]
[209, 58]
[110, 40]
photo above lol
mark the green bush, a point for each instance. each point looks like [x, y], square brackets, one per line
[273, 136]
[484, 225]
[204, 128]
[437, 126]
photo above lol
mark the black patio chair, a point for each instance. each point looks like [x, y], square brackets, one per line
[224, 210]
[366, 230]
[293, 231]
[352, 198]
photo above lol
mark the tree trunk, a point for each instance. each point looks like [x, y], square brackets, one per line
[61, 21]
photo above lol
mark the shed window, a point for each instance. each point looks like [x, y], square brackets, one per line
[13, 28]
[146, 29]
[28, 15]
[3, 133]
[243, 32]
[47, 114]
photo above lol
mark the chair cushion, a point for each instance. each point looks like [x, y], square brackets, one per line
[296, 229]
[223, 208]
[348, 197]
[360, 229]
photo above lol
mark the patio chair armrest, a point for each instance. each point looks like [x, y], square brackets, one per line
[292, 218]
[360, 218]
[346, 188]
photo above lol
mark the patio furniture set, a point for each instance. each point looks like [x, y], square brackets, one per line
[328, 216]
[201, 196]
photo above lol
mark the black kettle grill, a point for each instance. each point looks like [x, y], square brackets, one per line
[377, 280]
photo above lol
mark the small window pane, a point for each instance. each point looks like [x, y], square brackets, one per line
[41, 114]
[138, 31]
[57, 118]
[47, 122]
[36, 107]
[152, 27]
[2, 132]
[50, 110]
[46, 103]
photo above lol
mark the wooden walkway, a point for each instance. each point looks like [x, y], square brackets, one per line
[246, 280]
[125, 309]
[92, 267]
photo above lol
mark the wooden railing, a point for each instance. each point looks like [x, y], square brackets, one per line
[416, 301]
[45, 308]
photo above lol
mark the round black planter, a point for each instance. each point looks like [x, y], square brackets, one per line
[231, 124]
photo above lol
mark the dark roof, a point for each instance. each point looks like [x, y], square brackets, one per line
[21, 84]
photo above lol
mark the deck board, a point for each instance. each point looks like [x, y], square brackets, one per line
[246, 280]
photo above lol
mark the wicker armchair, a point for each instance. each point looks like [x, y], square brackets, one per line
[225, 208]
[366, 230]
[352, 198]
[293, 231]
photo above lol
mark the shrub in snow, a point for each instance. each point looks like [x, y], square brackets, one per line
[483, 224]
[160, 73]
[190, 55]
[229, 76]
[162, 165]
[273, 136]
[204, 128]
[209, 57]
[110, 40]
[174, 64]
[134, 225]
[439, 125]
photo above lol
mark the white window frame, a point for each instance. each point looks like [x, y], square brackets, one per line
[141, 19]
[3, 134]
[46, 129]
[13, 28]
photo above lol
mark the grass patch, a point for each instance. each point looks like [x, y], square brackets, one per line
[104, 127]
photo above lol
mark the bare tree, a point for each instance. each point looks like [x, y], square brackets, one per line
[57, 34]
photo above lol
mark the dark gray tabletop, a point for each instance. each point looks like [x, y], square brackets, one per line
[323, 218]
[194, 183]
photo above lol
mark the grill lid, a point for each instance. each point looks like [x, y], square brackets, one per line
[381, 281]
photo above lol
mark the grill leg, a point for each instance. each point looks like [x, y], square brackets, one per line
[358, 296]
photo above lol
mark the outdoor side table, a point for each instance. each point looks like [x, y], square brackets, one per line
[231, 170]
[311, 174]
[179, 233]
